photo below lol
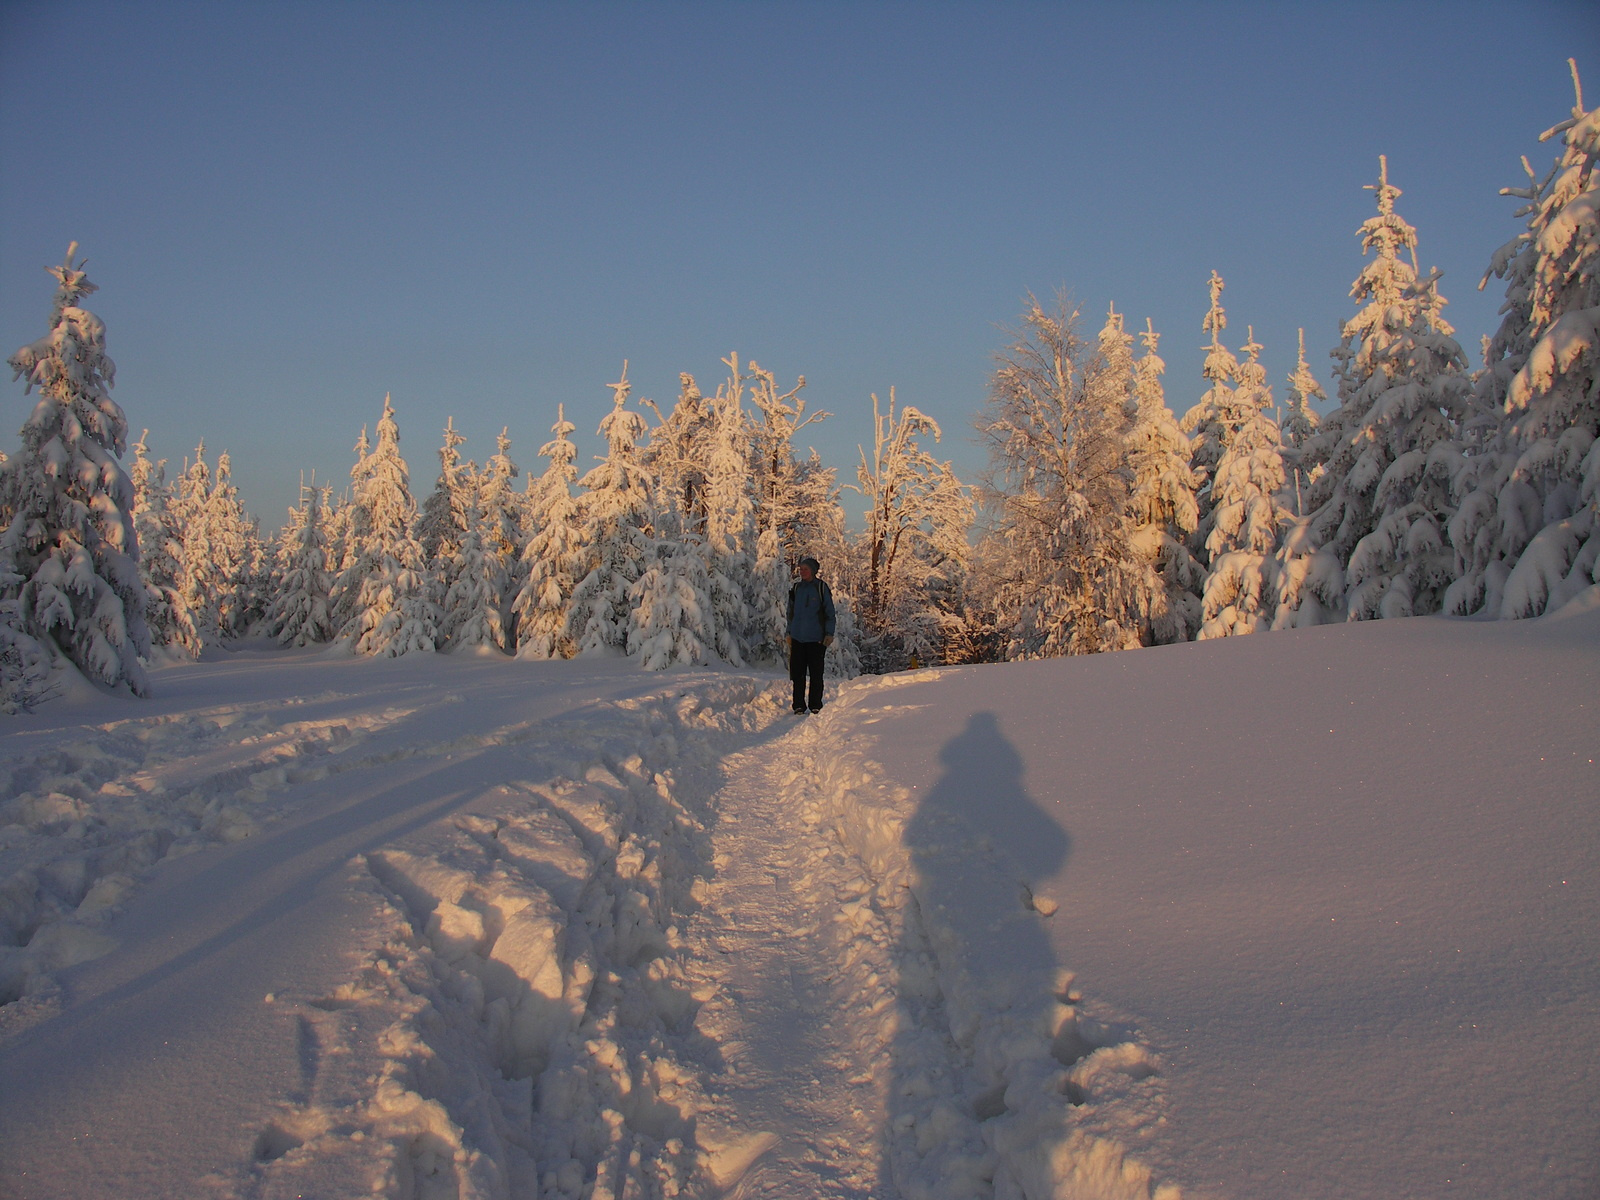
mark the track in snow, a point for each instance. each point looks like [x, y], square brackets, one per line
[797, 972]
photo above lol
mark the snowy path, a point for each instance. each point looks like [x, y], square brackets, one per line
[888, 1020]
[795, 1005]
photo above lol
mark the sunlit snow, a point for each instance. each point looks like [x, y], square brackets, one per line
[1308, 913]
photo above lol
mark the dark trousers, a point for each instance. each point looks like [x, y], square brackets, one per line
[805, 658]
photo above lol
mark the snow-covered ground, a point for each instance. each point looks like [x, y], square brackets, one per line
[1293, 915]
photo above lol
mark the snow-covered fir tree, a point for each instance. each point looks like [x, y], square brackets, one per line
[473, 607]
[614, 523]
[260, 576]
[1404, 566]
[24, 663]
[201, 581]
[730, 526]
[1310, 580]
[816, 520]
[300, 612]
[1382, 503]
[554, 559]
[336, 530]
[1058, 490]
[160, 557]
[671, 619]
[1527, 535]
[698, 456]
[678, 455]
[443, 518]
[392, 612]
[1299, 424]
[1162, 504]
[348, 525]
[1203, 422]
[69, 558]
[1246, 516]
[1112, 380]
[501, 507]
[235, 549]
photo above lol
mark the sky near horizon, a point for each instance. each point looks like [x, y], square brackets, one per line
[292, 209]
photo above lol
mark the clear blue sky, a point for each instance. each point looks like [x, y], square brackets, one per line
[293, 208]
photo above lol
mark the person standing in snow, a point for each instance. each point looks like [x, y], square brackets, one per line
[811, 622]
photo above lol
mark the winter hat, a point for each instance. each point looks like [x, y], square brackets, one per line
[808, 561]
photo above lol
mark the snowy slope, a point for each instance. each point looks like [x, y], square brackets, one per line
[1338, 885]
[1301, 914]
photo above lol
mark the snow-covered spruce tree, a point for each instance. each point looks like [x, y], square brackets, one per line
[678, 455]
[1299, 426]
[300, 613]
[68, 551]
[1110, 385]
[671, 619]
[1310, 580]
[729, 526]
[1057, 488]
[1382, 503]
[1246, 517]
[348, 525]
[336, 531]
[1203, 422]
[1404, 566]
[443, 518]
[614, 523]
[236, 551]
[1162, 504]
[554, 559]
[1527, 536]
[160, 557]
[501, 508]
[220, 550]
[699, 460]
[260, 579]
[201, 582]
[24, 663]
[674, 614]
[392, 612]
[502, 517]
[473, 607]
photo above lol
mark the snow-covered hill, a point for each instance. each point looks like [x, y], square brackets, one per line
[1300, 914]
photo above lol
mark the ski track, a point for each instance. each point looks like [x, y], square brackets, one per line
[699, 960]
[89, 815]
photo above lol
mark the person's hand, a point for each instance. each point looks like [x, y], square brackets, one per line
[827, 639]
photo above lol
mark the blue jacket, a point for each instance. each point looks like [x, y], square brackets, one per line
[810, 611]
